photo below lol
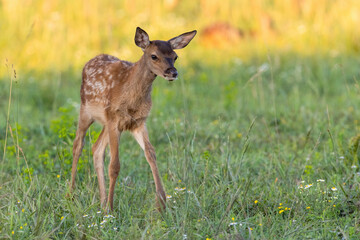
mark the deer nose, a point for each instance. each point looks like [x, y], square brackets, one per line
[172, 72]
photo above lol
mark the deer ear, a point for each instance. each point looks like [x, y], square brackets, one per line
[141, 38]
[182, 40]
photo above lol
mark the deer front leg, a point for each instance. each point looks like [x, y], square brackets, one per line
[142, 137]
[114, 165]
[84, 123]
[98, 150]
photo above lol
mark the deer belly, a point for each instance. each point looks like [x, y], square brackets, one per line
[97, 112]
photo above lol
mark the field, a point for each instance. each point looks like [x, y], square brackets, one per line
[258, 139]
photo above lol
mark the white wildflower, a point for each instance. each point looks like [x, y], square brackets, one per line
[264, 67]
[235, 223]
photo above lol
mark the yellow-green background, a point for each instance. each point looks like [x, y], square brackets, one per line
[61, 34]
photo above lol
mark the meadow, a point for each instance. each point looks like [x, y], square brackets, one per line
[257, 139]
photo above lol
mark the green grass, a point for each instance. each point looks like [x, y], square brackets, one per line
[230, 135]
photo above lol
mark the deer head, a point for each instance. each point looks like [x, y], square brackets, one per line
[159, 56]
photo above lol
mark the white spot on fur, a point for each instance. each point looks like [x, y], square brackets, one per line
[90, 71]
[99, 86]
[90, 83]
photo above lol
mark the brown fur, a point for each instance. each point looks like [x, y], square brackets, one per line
[117, 94]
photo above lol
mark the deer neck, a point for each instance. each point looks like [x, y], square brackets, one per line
[143, 77]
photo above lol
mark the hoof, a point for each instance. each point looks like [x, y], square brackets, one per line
[161, 202]
[69, 196]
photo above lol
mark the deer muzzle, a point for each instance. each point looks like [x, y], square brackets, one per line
[171, 74]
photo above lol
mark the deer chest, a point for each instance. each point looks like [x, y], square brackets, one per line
[131, 117]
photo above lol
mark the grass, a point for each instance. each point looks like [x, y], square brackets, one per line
[265, 149]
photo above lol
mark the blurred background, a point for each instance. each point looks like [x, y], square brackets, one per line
[38, 35]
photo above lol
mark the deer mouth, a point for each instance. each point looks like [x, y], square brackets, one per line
[170, 79]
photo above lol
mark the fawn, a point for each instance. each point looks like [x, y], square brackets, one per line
[117, 94]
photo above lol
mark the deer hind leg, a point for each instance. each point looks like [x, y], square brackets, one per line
[142, 137]
[85, 120]
[114, 165]
[98, 150]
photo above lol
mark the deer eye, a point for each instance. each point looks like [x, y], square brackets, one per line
[154, 57]
[175, 58]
